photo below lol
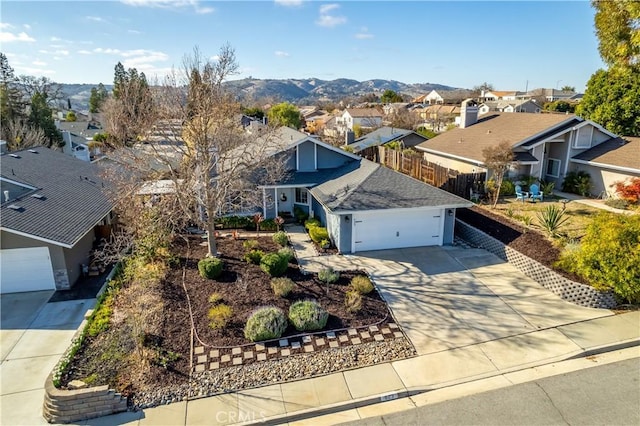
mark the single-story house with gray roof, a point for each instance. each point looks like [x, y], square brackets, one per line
[51, 205]
[365, 206]
[387, 134]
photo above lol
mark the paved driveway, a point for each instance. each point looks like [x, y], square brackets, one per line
[33, 336]
[448, 297]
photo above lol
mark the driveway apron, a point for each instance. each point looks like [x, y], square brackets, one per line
[448, 297]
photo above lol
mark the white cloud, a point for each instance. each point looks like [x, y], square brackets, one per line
[142, 59]
[134, 32]
[26, 26]
[108, 51]
[84, 52]
[327, 19]
[39, 63]
[288, 3]
[171, 4]
[138, 61]
[363, 34]
[95, 19]
[33, 71]
[7, 37]
[215, 58]
[5, 26]
[281, 54]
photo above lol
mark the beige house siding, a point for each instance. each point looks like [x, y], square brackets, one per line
[601, 178]
[460, 166]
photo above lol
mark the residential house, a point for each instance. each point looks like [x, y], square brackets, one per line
[438, 117]
[366, 118]
[53, 209]
[395, 108]
[77, 136]
[551, 95]
[519, 105]
[499, 95]
[433, 98]
[364, 205]
[547, 146]
[385, 135]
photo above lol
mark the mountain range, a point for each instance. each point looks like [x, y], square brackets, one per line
[297, 91]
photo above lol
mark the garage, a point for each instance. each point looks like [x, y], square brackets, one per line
[380, 230]
[26, 269]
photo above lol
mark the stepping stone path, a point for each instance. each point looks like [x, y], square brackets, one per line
[215, 358]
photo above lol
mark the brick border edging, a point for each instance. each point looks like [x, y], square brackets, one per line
[571, 291]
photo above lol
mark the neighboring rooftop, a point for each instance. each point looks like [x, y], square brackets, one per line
[364, 112]
[491, 130]
[380, 136]
[72, 199]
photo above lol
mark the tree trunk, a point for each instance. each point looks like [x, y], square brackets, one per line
[498, 186]
[211, 235]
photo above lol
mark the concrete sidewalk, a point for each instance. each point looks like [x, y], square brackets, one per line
[336, 396]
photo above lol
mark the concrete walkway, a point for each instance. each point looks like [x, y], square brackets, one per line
[34, 335]
[475, 320]
[595, 203]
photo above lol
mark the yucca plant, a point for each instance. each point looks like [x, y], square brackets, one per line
[551, 219]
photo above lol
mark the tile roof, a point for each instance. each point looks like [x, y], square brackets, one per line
[490, 130]
[365, 185]
[620, 152]
[73, 199]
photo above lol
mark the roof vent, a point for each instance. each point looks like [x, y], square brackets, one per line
[14, 155]
[33, 151]
[38, 196]
[6, 195]
[14, 207]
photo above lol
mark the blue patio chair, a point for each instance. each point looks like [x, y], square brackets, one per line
[535, 193]
[520, 195]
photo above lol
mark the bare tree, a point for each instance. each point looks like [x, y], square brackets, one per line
[51, 90]
[498, 160]
[20, 135]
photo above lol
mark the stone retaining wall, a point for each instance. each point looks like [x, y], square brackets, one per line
[66, 406]
[580, 294]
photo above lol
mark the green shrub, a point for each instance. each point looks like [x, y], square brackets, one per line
[280, 238]
[210, 267]
[551, 219]
[308, 315]
[526, 180]
[325, 244]
[219, 315]
[265, 323]
[268, 225]
[577, 183]
[617, 203]
[287, 253]
[300, 214]
[362, 284]
[547, 188]
[282, 286]
[234, 222]
[274, 264]
[101, 317]
[215, 298]
[310, 223]
[318, 233]
[328, 275]
[250, 244]
[608, 255]
[352, 301]
[507, 187]
[254, 256]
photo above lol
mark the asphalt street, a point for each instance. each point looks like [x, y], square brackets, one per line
[604, 395]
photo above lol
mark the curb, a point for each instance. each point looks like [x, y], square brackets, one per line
[409, 392]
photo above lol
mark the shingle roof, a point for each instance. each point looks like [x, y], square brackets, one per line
[620, 152]
[380, 136]
[73, 199]
[365, 185]
[491, 130]
[364, 112]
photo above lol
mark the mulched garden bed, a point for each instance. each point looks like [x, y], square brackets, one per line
[525, 240]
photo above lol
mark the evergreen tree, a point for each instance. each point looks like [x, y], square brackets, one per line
[97, 98]
[11, 100]
[41, 117]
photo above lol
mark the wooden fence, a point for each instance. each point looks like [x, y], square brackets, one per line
[417, 167]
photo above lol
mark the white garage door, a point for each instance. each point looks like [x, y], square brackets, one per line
[386, 230]
[27, 269]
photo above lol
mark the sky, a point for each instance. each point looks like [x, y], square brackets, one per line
[514, 45]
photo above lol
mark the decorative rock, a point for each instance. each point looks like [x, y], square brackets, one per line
[352, 332]
[283, 342]
[260, 347]
[198, 350]
[77, 384]
[386, 330]
[373, 328]
[214, 366]
[356, 341]
[248, 355]
[365, 335]
[343, 338]
[308, 348]
[285, 352]
[225, 358]
[202, 359]
[272, 351]
[320, 341]
[236, 351]
[334, 344]
[199, 368]
[215, 353]
[262, 357]
[393, 326]
[397, 333]
[378, 337]
[237, 361]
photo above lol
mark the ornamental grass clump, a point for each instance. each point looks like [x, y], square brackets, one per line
[282, 286]
[280, 238]
[551, 219]
[219, 315]
[265, 323]
[254, 256]
[210, 267]
[308, 315]
[352, 301]
[362, 284]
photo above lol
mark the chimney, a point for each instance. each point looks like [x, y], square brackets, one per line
[350, 137]
[468, 113]
[6, 196]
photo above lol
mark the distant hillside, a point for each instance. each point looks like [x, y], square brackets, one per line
[298, 91]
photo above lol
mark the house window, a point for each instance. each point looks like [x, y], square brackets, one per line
[301, 196]
[553, 167]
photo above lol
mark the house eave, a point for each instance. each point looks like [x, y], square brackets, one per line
[606, 166]
[403, 209]
[455, 157]
[35, 237]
